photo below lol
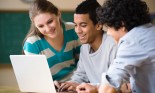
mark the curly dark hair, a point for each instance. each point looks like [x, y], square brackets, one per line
[127, 13]
[88, 7]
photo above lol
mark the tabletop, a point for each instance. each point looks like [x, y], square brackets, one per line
[8, 89]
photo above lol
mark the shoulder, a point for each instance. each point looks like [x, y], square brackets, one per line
[69, 30]
[108, 43]
[69, 27]
[33, 39]
[84, 48]
[108, 39]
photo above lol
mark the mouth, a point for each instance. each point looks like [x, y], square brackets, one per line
[52, 31]
[82, 36]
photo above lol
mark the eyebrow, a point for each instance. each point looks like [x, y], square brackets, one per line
[39, 25]
[81, 23]
[49, 20]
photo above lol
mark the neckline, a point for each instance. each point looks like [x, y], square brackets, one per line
[64, 45]
[102, 43]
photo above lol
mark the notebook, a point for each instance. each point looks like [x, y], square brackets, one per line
[32, 73]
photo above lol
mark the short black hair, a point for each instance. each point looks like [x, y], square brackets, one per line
[88, 6]
[127, 13]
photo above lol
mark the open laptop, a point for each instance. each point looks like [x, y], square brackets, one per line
[32, 73]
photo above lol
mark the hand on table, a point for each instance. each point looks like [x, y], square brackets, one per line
[86, 88]
[107, 89]
[65, 86]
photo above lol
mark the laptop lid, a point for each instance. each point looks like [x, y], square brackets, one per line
[32, 73]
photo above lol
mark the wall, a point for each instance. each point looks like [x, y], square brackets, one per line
[67, 5]
[64, 5]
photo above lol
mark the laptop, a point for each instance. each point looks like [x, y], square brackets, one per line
[32, 73]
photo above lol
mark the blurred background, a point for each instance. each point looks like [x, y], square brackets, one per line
[15, 22]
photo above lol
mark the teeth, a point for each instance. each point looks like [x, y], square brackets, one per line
[82, 37]
[52, 30]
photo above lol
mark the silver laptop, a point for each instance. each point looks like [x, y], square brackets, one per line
[32, 73]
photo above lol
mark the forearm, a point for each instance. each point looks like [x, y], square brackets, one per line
[107, 89]
[79, 78]
[114, 77]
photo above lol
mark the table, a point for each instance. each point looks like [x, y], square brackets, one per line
[8, 89]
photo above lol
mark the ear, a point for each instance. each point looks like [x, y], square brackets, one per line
[59, 14]
[99, 26]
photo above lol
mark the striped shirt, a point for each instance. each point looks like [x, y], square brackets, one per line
[61, 63]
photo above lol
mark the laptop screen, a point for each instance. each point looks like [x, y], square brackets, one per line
[32, 73]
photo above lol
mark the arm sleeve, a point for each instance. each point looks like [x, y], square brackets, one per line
[79, 75]
[113, 54]
[30, 49]
[129, 56]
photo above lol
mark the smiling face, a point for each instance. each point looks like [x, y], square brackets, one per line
[85, 28]
[48, 24]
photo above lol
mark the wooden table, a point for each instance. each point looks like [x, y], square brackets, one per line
[6, 89]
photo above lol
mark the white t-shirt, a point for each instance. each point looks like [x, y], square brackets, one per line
[92, 65]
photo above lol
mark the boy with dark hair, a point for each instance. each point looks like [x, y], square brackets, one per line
[98, 49]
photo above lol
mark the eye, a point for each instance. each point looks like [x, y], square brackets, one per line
[83, 25]
[40, 26]
[75, 25]
[50, 21]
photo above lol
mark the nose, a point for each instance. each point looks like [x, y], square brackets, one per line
[78, 30]
[47, 28]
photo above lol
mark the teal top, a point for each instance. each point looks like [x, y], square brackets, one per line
[61, 63]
